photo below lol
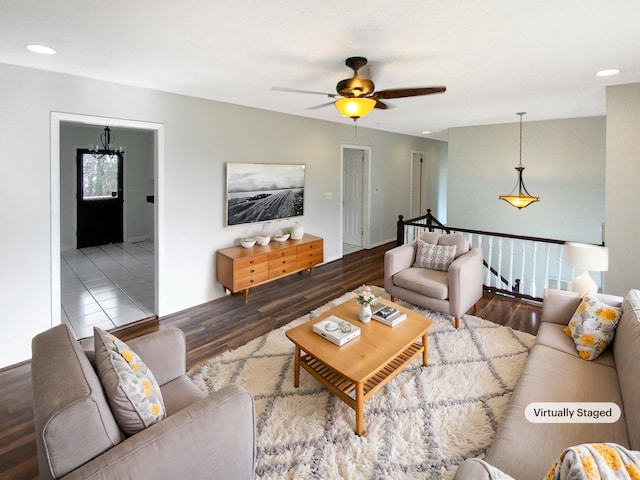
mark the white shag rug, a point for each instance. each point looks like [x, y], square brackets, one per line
[422, 424]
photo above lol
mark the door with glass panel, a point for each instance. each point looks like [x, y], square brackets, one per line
[100, 200]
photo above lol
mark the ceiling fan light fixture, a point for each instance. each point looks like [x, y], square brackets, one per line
[355, 107]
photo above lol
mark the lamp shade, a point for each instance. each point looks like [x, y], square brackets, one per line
[355, 107]
[591, 258]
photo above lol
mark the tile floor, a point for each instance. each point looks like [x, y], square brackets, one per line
[107, 286]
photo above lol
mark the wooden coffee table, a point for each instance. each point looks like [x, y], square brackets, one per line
[361, 367]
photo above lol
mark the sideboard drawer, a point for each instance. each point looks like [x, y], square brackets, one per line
[285, 252]
[240, 283]
[250, 270]
[284, 268]
[310, 248]
[242, 263]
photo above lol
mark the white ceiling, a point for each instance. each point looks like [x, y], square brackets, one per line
[496, 57]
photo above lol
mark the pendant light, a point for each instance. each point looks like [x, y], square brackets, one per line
[520, 197]
[107, 147]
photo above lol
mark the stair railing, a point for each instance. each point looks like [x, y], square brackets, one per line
[517, 265]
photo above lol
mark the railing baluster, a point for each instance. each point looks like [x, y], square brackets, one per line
[535, 265]
[498, 277]
[524, 260]
[546, 265]
[511, 256]
[489, 262]
[560, 255]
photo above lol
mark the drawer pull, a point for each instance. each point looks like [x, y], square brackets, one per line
[253, 271]
[251, 261]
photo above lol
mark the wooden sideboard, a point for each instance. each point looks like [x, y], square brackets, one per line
[239, 268]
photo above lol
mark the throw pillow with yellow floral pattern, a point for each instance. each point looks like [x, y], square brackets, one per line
[132, 390]
[593, 326]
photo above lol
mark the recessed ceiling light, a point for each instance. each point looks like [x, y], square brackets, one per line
[43, 49]
[608, 72]
[426, 132]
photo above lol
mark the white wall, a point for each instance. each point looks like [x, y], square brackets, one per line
[564, 164]
[622, 229]
[138, 179]
[199, 137]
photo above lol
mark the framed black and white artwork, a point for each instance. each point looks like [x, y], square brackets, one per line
[261, 192]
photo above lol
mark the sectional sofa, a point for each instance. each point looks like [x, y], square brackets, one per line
[555, 372]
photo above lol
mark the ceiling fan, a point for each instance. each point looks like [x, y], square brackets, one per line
[357, 97]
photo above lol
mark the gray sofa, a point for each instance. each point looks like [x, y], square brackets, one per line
[77, 436]
[555, 373]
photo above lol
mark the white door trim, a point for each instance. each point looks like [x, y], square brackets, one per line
[56, 119]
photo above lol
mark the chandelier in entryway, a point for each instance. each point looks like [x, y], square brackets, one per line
[108, 147]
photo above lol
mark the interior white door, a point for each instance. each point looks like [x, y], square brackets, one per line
[352, 195]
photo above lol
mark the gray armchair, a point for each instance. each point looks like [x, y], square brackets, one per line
[452, 290]
[77, 435]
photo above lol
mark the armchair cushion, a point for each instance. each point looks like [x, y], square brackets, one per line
[430, 283]
[132, 391]
[448, 239]
[434, 257]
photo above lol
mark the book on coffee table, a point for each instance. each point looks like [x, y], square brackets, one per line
[336, 330]
[388, 315]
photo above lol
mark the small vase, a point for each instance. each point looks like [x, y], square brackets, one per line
[365, 313]
[297, 232]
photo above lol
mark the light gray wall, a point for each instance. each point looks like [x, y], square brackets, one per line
[138, 179]
[564, 164]
[622, 229]
[199, 137]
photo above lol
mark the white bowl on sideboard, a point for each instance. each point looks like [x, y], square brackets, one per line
[263, 239]
[247, 242]
[281, 238]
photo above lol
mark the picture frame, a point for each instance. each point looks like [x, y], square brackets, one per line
[262, 192]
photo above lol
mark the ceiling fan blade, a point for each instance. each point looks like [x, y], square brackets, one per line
[408, 92]
[380, 105]
[296, 90]
[320, 106]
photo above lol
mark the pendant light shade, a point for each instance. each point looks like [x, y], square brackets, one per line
[520, 197]
[355, 107]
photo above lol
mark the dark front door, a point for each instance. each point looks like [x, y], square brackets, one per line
[99, 198]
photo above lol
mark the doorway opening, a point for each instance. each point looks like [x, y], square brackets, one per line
[99, 279]
[355, 168]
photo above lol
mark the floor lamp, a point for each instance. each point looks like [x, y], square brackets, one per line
[586, 258]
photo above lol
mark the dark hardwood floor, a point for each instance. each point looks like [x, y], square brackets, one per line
[227, 323]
